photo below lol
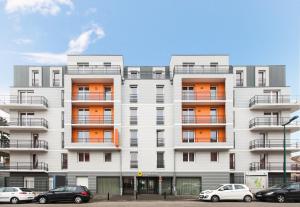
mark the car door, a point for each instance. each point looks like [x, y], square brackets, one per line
[2, 194]
[227, 192]
[56, 194]
[8, 193]
[69, 193]
[239, 192]
[293, 191]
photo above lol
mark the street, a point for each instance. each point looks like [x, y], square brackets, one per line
[164, 204]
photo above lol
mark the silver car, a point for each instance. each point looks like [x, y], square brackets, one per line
[15, 195]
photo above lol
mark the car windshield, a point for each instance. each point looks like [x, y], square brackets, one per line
[25, 190]
[279, 186]
[217, 187]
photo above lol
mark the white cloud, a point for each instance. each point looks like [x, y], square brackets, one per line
[90, 11]
[23, 41]
[44, 7]
[76, 46]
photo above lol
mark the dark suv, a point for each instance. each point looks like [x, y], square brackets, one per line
[280, 193]
[77, 194]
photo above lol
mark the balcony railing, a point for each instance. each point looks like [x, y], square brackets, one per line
[203, 119]
[92, 96]
[25, 144]
[271, 121]
[31, 122]
[25, 166]
[94, 70]
[274, 166]
[133, 98]
[92, 140]
[133, 164]
[195, 96]
[55, 82]
[202, 69]
[273, 99]
[159, 98]
[92, 119]
[262, 82]
[147, 75]
[133, 120]
[273, 143]
[24, 100]
[203, 140]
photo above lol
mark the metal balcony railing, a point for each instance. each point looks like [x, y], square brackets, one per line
[133, 98]
[92, 119]
[202, 69]
[196, 96]
[273, 99]
[25, 144]
[94, 70]
[32, 122]
[13, 99]
[92, 140]
[92, 96]
[203, 119]
[271, 121]
[273, 143]
[133, 164]
[133, 120]
[25, 166]
[160, 98]
[274, 166]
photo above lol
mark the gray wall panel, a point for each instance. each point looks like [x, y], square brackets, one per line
[250, 76]
[277, 76]
[46, 76]
[21, 76]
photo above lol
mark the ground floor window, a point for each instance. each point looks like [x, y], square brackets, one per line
[84, 181]
[188, 186]
[29, 182]
[109, 185]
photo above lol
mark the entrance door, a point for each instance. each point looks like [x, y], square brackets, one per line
[148, 185]
[107, 116]
[26, 118]
[213, 93]
[188, 116]
[128, 185]
[107, 93]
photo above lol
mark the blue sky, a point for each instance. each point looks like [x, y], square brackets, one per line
[149, 32]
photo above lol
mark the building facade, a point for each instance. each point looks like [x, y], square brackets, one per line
[175, 129]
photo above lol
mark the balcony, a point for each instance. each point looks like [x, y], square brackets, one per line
[26, 124]
[273, 145]
[202, 144]
[97, 143]
[276, 102]
[94, 70]
[23, 103]
[24, 145]
[203, 121]
[25, 166]
[92, 121]
[202, 69]
[272, 124]
[195, 98]
[94, 98]
[133, 164]
[274, 166]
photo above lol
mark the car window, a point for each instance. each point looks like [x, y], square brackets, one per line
[227, 187]
[2, 190]
[71, 189]
[62, 189]
[239, 187]
[294, 186]
[9, 189]
[25, 190]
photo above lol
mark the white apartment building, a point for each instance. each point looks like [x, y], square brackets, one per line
[175, 129]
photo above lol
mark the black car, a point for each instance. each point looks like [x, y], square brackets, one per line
[77, 194]
[280, 193]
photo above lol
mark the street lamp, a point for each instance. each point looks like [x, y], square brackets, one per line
[284, 147]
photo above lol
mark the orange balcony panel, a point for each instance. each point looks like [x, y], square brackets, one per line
[95, 92]
[204, 135]
[203, 89]
[94, 136]
[116, 137]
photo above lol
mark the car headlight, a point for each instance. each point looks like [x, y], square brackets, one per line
[269, 193]
[208, 192]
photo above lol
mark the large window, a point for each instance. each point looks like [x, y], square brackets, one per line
[160, 116]
[188, 136]
[133, 94]
[160, 140]
[133, 137]
[160, 160]
[213, 136]
[214, 156]
[35, 78]
[64, 161]
[83, 136]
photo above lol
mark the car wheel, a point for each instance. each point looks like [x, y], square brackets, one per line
[78, 199]
[14, 200]
[247, 198]
[42, 200]
[280, 198]
[215, 198]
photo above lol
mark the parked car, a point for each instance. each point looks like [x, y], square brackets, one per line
[15, 195]
[280, 193]
[77, 194]
[227, 192]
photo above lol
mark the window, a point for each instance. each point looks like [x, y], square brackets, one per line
[107, 93]
[188, 115]
[228, 187]
[158, 74]
[133, 116]
[62, 98]
[62, 140]
[160, 160]
[35, 78]
[214, 64]
[62, 119]
[133, 97]
[214, 156]
[213, 136]
[239, 78]
[107, 157]
[133, 159]
[294, 186]
[188, 64]
[133, 138]
[29, 182]
[232, 161]
[188, 93]
[107, 64]
[160, 141]
[83, 64]
[83, 136]
[261, 78]
[56, 78]
[213, 93]
[107, 119]
[213, 115]
[108, 136]
[188, 156]
[239, 187]
[64, 161]
[159, 93]
[83, 157]
[188, 136]
[83, 92]
[159, 116]
[133, 74]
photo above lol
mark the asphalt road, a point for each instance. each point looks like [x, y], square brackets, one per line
[162, 204]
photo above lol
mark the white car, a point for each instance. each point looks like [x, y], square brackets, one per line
[227, 192]
[15, 194]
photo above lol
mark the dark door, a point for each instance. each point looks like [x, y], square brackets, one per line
[128, 185]
[148, 185]
[293, 191]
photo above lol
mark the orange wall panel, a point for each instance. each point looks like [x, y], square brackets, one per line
[93, 87]
[96, 135]
[203, 134]
[204, 88]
